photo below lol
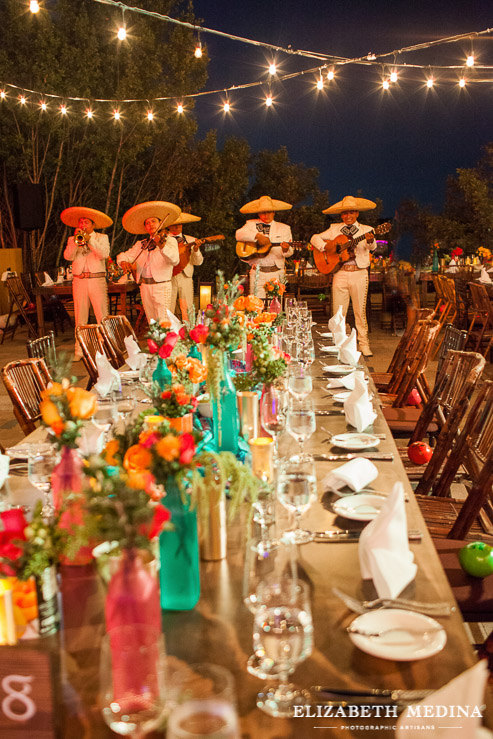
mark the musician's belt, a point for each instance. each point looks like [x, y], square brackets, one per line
[88, 275]
[351, 267]
[268, 269]
[152, 281]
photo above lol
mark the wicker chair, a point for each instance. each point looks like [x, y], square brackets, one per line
[91, 340]
[43, 347]
[454, 339]
[20, 299]
[115, 330]
[24, 380]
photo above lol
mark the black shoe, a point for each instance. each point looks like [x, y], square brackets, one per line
[367, 352]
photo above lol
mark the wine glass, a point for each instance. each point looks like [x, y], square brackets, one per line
[41, 462]
[125, 405]
[132, 675]
[307, 354]
[264, 514]
[283, 633]
[301, 421]
[273, 413]
[296, 490]
[106, 413]
[299, 381]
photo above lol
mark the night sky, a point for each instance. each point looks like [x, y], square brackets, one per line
[392, 145]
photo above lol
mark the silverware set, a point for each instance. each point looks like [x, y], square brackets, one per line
[331, 535]
[381, 456]
[364, 606]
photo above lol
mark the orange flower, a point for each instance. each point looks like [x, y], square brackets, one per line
[82, 404]
[140, 480]
[182, 398]
[254, 304]
[111, 448]
[137, 458]
[239, 303]
[265, 318]
[197, 374]
[168, 447]
[181, 361]
[49, 413]
[55, 389]
[165, 324]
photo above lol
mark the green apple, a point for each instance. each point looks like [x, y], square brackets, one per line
[476, 559]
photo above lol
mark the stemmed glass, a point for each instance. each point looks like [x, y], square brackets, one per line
[283, 633]
[299, 381]
[296, 490]
[264, 514]
[307, 354]
[132, 676]
[41, 463]
[301, 422]
[273, 413]
[125, 405]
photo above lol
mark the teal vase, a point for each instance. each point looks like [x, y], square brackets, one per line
[434, 267]
[226, 422]
[194, 353]
[162, 375]
[179, 573]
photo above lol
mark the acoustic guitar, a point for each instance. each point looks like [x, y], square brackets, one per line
[185, 250]
[246, 250]
[338, 250]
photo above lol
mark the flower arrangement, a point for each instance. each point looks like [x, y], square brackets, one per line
[249, 304]
[113, 270]
[63, 409]
[484, 254]
[161, 340]
[188, 370]
[174, 402]
[274, 288]
[457, 252]
[268, 363]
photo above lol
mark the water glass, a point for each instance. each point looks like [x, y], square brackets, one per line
[299, 381]
[301, 422]
[273, 413]
[125, 404]
[296, 491]
[106, 413]
[41, 463]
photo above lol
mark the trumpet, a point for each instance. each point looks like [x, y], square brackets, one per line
[81, 238]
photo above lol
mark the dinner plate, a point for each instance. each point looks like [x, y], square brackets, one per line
[25, 450]
[338, 369]
[341, 397]
[400, 646]
[359, 507]
[130, 375]
[330, 349]
[326, 334]
[354, 442]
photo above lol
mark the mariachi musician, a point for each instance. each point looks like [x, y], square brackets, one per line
[152, 260]
[264, 231]
[190, 257]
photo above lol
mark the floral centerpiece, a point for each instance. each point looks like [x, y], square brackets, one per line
[268, 362]
[484, 254]
[274, 288]
[113, 270]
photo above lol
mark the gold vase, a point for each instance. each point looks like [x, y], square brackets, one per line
[212, 530]
[248, 410]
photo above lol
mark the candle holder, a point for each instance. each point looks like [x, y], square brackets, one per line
[248, 408]
[261, 449]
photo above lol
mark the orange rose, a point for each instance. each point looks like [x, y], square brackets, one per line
[181, 361]
[82, 404]
[140, 480]
[54, 390]
[49, 412]
[239, 303]
[168, 447]
[182, 398]
[111, 448]
[137, 458]
[265, 318]
[254, 304]
[197, 374]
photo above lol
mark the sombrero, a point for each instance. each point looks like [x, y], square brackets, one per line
[263, 204]
[184, 218]
[350, 203]
[70, 216]
[134, 219]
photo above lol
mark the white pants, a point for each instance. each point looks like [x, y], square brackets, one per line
[263, 277]
[352, 285]
[86, 292]
[182, 288]
[156, 300]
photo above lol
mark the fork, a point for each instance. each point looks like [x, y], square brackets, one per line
[404, 630]
[358, 606]
[331, 435]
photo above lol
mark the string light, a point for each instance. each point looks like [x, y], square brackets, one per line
[3, 94]
[272, 68]
[385, 84]
[22, 100]
[179, 108]
[320, 82]
[198, 50]
[116, 115]
[43, 105]
[470, 60]
[330, 74]
[393, 76]
[63, 109]
[89, 114]
[268, 101]
[430, 82]
[34, 6]
[150, 115]
[226, 107]
[462, 82]
[122, 33]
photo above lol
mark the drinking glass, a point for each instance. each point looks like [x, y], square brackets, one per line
[132, 677]
[307, 354]
[41, 463]
[273, 413]
[125, 404]
[299, 381]
[204, 704]
[106, 413]
[283, 633]
[301, 422]
[296, 491]
[264, 514]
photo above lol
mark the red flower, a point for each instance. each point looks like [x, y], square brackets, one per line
[166, 394]
[199, 333]
[153, 347]
[165, 351]
[187, 448]
[14, 522]
[194, 402]
[182, 333]
[161, 516]
[150, 440]
[241, 289]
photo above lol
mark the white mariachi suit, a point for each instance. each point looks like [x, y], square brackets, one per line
[89, 278]
[351, 281]
[154, 271]
[272, 264]
[182, 283]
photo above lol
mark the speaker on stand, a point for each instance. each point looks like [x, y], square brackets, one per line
[29, 215]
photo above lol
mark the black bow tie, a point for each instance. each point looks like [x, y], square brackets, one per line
[349, 230]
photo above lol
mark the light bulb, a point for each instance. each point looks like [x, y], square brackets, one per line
[63, 110]
[268, 101]
[89, 113]
[462, 82]
[179, 108]
[320, 84]
[272, 68]
[116, 115]
[22, 100]
[150, 115]
[430, 82]
[43, 105]
[122, 33]
[34, 6]
[393, 76]
[3, 94]
[198, 50]
[226, 107]
[330, 74]
[470, 60]
[385, 84]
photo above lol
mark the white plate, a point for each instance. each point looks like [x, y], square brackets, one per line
[130, 375]
[338, 369]
[355, 442]
[359, 507]
[330, 349]
[326, 334]
[415, 646]
[25, 450]
[341, 397]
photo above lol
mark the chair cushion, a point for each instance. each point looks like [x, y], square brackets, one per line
[473, 594]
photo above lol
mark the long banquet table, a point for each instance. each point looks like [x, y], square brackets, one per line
[219, 629]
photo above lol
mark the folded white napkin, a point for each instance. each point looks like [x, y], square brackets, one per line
[348, 353]
[358, 407]
[108, 377]
[176, 324]
[4, 468]
[135, 359]
[48, 281]
[337, 326]
[484, 277]
[91, 440]
[356, 474]
[465, 690]
[346, 381]
[384, 553]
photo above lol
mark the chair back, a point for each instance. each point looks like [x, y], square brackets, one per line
[453, 338]
[91, 341]
[43, 347]
[413, 316]
[21, 298]
[24, 380]
[115, 330]
[462, 300]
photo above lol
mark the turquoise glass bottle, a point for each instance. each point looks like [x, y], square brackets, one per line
[161, 374]
[179, 573]
[226, 422]
[435, 264]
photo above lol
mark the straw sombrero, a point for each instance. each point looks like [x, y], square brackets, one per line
[350, 203]
[70, 216]
[263, 204]
[134, 219]
[184, 218]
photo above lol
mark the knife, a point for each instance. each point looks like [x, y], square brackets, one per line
[323, 537]
[382, 456]
[329, 413]
[392, 695]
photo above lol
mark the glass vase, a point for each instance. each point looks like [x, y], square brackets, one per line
[226, 422]
[67, 480]
[179, 554]
[161, 374]
[132, 595]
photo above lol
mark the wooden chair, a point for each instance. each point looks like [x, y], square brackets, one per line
[115, 330]
[453, 339]
[24, 380]
[43, 347]
[463, 300]
[481, 327]
[91, 340]
[450, 308]
[26, 309]
[56, 307]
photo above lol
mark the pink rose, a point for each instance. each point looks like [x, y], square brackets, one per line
[199, 333]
